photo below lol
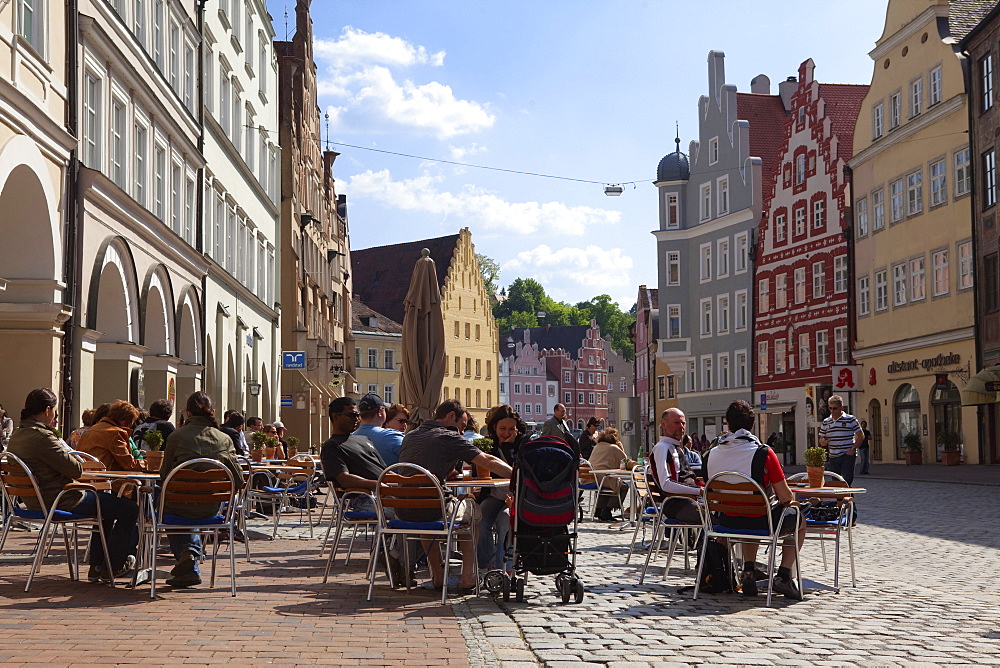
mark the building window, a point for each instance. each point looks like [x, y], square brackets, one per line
[479, 332]
[804, 360]
[527, 409]
[939, 183]
[896, 200]
[723, 196]
[139, 165]
[881, 291]
[538, 386]
[517, 406]
[724, 378]
[674, 321]
[706, 317]
[706, 373]
[965, 265]
[457, 328]
[779, 227]
[899, 285]
[861, 216]
[742, 244]
[940, 261]
[878, 120]
[713, 151]
[895, 110]
[118, 142]
[706, 201]
[840, 345]
[390, 358]
[690, 377]
[91, 121]
[822, 348]
[916, 97]
[590, 398]
[468, 367]
[741, 310]
[762, 362]
[864, 296]
[914, 193]
[567, 377]
[673, 268]
[991, 276]
[741, 369]
[706, 262]
[840, 274]
[373, 358]
[935, 86]
[579, 398]
[567, 397]
[175, 197]
[800, 169]
[963, 173]
[878, 209]
[723, 318]
[30, 23]
[800, 221]
[780, 291]
[389, 394]
[799, 281]
[722, 262]
[986, 81]
[671, 387]
[779, 355]
[517, 388]
[673, 212]
[819, 214]
[989, 179]
[579, 377]
[819, 279]
[159, 181]
[917, 289]
[763, 295]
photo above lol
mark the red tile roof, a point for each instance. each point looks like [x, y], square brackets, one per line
[360, 315]
[382, 274]
[766, 115]
[843, 103]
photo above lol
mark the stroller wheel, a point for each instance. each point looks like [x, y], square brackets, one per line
[494, 580]
[505, 588]
[519, 590]
[565, 586]
[577, 590]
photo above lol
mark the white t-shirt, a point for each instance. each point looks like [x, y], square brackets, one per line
[667, 447]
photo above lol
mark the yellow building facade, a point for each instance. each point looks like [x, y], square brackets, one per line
[912, 235]
[378, 351]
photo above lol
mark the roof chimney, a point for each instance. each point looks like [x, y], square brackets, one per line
[760, 85]
[785, 90]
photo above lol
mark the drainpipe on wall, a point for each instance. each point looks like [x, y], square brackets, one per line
[200, 242]
[71, 249]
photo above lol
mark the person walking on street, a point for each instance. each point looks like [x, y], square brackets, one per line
[840, 434]
[559, 427]
[863, 448]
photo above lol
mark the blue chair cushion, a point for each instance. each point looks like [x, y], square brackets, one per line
[588, 485]
[824, 523]
[298, 489]
[188, 521]
[359, 515]
[63, 515]
[417, 526]
[744, 532]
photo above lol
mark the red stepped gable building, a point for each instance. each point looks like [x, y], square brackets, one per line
[802, 273]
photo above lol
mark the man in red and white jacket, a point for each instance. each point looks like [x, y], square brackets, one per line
[670, 469]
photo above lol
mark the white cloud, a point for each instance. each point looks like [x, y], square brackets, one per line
[600, 269]
[478, 207]
[358, 72]
[461, 153]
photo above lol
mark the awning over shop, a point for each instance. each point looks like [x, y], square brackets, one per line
[981, 387]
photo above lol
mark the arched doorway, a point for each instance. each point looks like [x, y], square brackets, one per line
[947, 403]
[907, 412]
[875, 427]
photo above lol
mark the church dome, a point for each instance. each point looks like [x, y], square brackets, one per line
[673, 167]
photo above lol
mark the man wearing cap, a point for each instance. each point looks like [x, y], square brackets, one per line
[386, 441]
[281, 435]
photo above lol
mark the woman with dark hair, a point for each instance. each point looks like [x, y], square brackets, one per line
[54, 467]
[506, 429]
[108, 439]
[199, 437]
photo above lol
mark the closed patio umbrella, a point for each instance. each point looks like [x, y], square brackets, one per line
[423, 341]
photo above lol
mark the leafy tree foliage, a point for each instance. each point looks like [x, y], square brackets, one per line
[490, 270]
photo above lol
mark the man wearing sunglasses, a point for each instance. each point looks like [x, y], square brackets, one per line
[350, 460]
[386, 441]
[841, 435]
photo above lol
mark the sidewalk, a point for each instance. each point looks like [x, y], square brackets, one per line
[970, 474]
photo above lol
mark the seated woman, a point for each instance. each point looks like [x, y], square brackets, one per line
[506, 429]
[608, 454]
[199, 437]
[53, 466]
[108, 439]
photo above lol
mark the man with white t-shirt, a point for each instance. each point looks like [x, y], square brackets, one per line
[671, 469]
[841, 434]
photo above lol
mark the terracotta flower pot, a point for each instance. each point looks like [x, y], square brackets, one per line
[292, 452]
[154, 460]
[269, 453]
[815, 476]
[951, 457]
[914, 457]
[257, 455]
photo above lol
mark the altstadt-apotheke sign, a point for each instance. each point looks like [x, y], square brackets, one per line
[925, 364]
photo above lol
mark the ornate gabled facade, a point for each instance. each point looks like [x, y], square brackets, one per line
[709, 205]
[801, 330]
[526, 377]
[314, 257]
[381, 279]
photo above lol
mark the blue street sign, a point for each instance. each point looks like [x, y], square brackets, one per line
[286, 401]
[293, 360]
[763, 402]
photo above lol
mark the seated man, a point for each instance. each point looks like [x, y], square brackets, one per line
[671, 471]
[740, 451]
[35, 443]
[199, 437]
[386, 441]
[438, 445]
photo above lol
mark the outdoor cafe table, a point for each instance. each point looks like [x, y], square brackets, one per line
[462, 484]
[827, 492]
[627, 478]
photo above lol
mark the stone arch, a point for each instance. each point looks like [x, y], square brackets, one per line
[188, 333]
[29, 223]
[112, 307]
[157, 324]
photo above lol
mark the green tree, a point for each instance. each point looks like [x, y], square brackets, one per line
[613, 322]
[525, 295]
[490, 270]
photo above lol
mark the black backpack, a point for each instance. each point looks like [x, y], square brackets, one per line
[717, 573]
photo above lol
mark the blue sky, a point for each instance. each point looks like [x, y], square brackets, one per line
[578, 89]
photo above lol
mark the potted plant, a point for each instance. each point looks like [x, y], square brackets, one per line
[950, 453]
[270, 445]
[293, 446]
[258, 440]
[913, 448]
[154, 456]
[815, 460]
[484, 444]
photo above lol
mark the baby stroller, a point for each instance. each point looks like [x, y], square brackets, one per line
[544, 484]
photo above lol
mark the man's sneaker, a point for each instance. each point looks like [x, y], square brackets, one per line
[749, 583]
[127, 567]
[184, 574]
[787, 587]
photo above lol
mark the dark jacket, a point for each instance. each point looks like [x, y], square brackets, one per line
[556, 427]
[50, 462]
[196, 439]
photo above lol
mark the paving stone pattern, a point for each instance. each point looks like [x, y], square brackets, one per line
[926, 556]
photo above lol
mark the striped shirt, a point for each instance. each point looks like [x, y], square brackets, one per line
[839, 433]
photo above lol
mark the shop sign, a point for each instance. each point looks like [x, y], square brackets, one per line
[925, 364]
[846, 379]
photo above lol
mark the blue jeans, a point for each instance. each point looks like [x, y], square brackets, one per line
[864, 460]
[843, 465]
[119, 517]
[489, 551]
